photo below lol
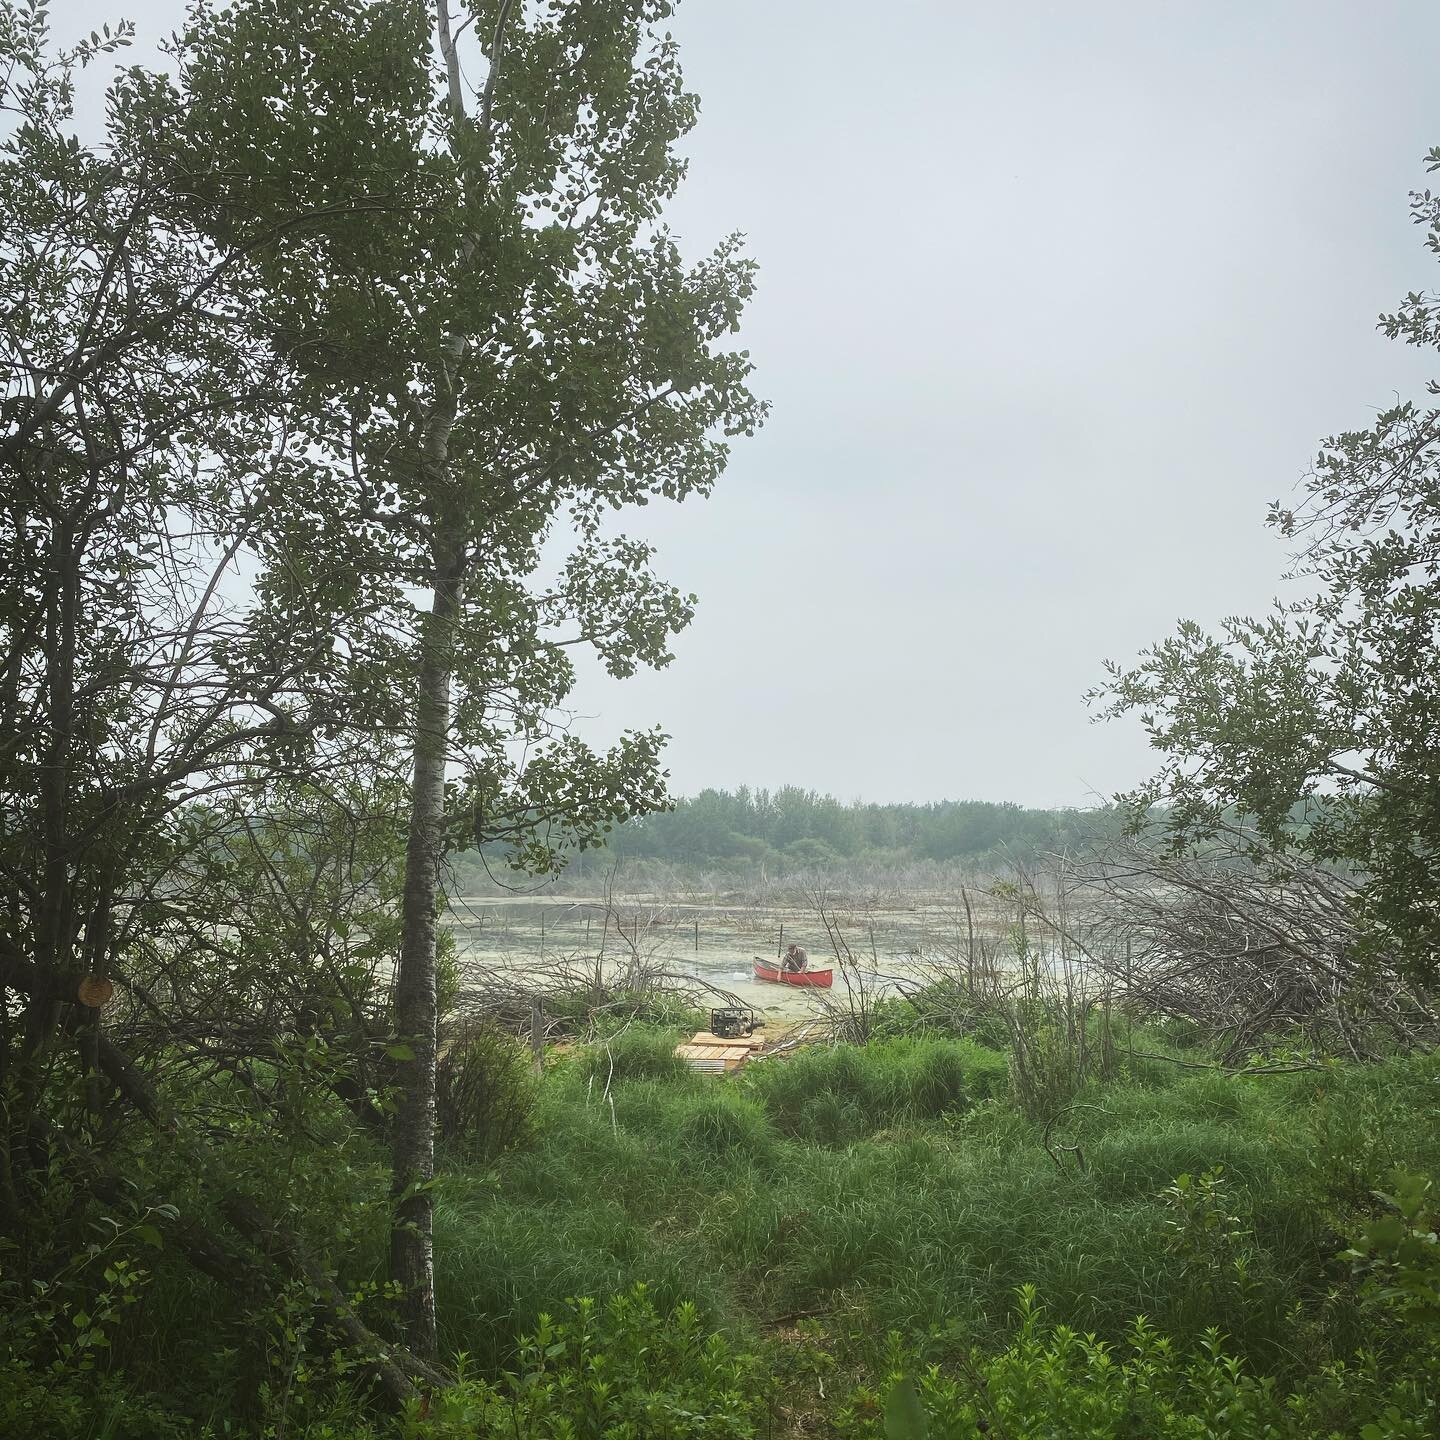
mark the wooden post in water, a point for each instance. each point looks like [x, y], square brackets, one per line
[697, 937]
[537, 1032]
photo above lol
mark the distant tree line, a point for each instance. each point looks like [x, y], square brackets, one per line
[795, 826]
[808, 827]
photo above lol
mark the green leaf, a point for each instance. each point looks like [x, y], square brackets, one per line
[904, 1415]
[400, 1052]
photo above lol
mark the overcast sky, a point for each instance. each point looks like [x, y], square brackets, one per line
[1054, 299]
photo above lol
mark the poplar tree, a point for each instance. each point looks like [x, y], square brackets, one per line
[503, 350]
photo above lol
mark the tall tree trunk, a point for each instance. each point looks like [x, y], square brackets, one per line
[412, 1259]
[412, 1250]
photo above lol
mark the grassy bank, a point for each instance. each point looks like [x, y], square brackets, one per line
[856, 1224]
[896, 1187]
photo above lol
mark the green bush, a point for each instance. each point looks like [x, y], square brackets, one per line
[509, 1261]
[55, 1405]
[622, 1371]
[586, 1010]
[874, 1184]
[484, 1093]
[1399, 1254]
[948, 1008]
[65, 1299]
[1054, 1381]
[1140, 1161]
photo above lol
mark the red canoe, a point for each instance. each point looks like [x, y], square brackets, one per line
[822, 978]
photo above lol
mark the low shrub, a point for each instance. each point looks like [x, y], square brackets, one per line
[508, 1262]
[952, 1007]
[1054, 1381]
[484, 1094]
[609, 1372]
[51, 1405]
[1398, 1253]
[1140, 1161]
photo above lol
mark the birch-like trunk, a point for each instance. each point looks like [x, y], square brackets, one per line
[412, 1257]
[412, 1249]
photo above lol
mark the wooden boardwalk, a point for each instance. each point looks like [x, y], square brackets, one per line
[715, 1055]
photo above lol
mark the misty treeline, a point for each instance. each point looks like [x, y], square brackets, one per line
[307, 358]
[796, 828]
[806, 827]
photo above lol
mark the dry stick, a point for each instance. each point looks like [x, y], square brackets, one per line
[1290, 1069]
[1074, 1149]
[969, 937]
[798, 1315]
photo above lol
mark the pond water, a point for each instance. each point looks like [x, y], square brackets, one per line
[715, 941]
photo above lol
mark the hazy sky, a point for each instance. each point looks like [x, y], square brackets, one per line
[1054, 299]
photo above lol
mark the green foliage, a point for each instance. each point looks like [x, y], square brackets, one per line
[1215, 1246]
[58, 1333]
[837, 1094]
[604, 1012]
[1055, 1381]
[924, 1218]
[946, 1007]
[1399, 1253]
[484, 1094]
[796, 829]
[624, 1370]
[638, 1052]
[885, 1195]
[718, 1123]
[517, 338]
[1142, 1155]
[1312, 729]
[904, 1417]
[46, 1406]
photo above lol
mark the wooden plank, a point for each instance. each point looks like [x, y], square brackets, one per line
[713, 1059]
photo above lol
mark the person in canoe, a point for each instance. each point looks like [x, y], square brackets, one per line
[795, 959]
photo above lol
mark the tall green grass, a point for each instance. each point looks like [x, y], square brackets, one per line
[835, 1095]
[895, 1186]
